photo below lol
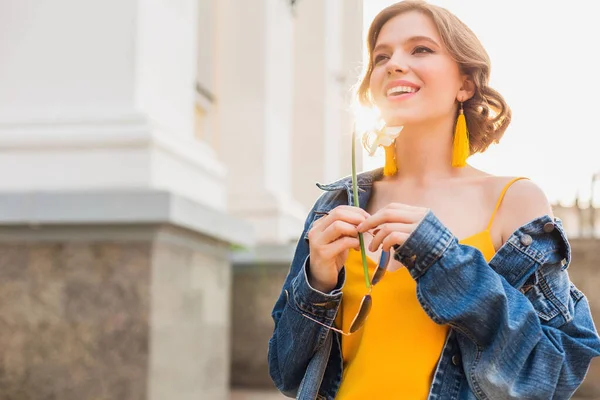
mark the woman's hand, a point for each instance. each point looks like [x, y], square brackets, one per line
[393, 225]
[330, 239]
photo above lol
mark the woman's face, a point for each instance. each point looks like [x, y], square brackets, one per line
[414, 79]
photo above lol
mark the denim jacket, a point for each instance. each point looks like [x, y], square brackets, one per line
[519, 328]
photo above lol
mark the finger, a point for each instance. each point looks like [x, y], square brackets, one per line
[380, 233]
[386, 215]
[394, 239]
[341, 245]
[385, 230]
[344, 208]
[351, 215]
[349, 210]
[337, 229]
[353, 209]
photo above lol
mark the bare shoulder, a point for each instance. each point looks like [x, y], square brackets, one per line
[523, 202]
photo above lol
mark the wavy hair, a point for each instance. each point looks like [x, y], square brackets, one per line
[486, 112]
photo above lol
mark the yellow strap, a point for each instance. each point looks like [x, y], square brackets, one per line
[502, 197]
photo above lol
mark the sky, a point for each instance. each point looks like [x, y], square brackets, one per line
[546, 63]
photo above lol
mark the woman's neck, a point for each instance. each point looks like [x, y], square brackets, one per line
[424, 153]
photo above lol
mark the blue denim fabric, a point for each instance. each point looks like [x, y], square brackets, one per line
[520, 329]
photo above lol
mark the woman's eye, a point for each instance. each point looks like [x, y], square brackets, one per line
[422, 50]
[379, 58]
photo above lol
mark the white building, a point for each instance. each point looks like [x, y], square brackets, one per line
[138, 140]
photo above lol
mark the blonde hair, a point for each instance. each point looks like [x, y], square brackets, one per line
[487, 113]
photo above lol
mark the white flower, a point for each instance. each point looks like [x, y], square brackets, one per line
[385, 137]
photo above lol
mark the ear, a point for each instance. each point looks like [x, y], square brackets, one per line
[467, 89]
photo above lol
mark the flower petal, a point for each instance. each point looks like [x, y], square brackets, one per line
[385, 141]
[385, 137]
[373, 148]
[392, 131]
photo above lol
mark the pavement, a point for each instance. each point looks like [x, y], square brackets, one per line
[254, 394]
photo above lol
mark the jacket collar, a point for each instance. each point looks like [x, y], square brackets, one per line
[363, 180]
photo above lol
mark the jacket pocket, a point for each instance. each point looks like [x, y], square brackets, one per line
[549, 291]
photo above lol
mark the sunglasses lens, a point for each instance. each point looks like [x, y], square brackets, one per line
[384, 260]
[363, 313]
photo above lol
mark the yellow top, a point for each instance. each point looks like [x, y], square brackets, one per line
[394, 355]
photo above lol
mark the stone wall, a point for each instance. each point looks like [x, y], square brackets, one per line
[255, 290]
[74, 320]
[190, 322]
[585, 274]
[113, 312]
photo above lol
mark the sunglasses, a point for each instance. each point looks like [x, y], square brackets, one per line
[365, 305]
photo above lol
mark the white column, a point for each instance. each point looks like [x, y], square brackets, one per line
[99, 95]
[352, 44]
[328, 45]
[334, 108]
[254, 88]
[309, 134]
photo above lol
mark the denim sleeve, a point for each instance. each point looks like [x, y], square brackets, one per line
[532, 341]
[295, 338]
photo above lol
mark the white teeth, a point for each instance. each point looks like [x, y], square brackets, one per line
[401, 89]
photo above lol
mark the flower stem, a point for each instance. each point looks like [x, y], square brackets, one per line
[356, 204]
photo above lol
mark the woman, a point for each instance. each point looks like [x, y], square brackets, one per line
[477, 302]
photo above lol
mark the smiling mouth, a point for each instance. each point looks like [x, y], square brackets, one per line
[400, 90]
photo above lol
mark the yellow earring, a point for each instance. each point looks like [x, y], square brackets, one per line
[390, 168]
[461, 150]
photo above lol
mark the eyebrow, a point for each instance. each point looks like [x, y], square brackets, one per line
[409, 40]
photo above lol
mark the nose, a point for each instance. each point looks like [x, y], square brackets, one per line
[396, 66]
[396, 69]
